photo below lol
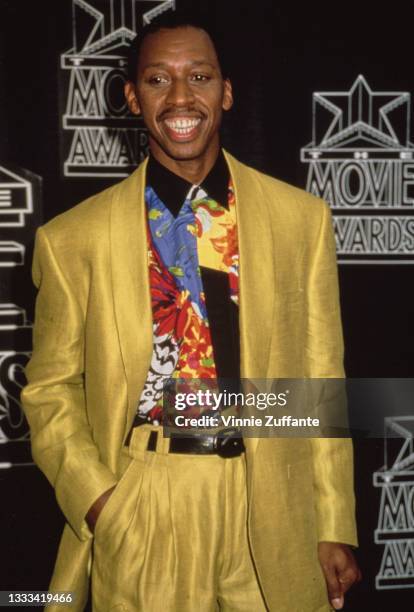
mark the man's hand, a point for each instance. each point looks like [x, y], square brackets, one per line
[96, 508]
[340, 570]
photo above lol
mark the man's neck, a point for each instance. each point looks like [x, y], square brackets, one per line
[172, 189]
[192, 170]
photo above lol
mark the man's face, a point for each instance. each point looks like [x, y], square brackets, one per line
[180, 93]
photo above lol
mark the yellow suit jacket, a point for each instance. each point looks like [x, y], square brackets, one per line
[93, 346]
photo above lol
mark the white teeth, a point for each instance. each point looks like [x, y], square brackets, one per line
[182, 126]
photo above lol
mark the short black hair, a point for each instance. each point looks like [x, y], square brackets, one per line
[172, 20]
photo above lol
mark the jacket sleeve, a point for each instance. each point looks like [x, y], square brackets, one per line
[332, 457]
[54, 398]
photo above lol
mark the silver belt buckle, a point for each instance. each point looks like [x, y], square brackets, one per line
[229, 443]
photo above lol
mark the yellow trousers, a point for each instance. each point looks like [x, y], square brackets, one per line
[173, 537]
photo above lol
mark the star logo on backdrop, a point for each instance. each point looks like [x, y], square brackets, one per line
[101, 29]
[100, 137]
[20, 215]
[360, 117]
[360, 160]
[396, 522]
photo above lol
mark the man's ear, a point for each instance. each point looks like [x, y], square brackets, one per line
[227, 95]
[131, 98]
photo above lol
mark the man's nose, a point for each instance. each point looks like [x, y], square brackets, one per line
[180, 93]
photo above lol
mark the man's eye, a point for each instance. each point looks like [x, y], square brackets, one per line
[201, 77]
[157, 80]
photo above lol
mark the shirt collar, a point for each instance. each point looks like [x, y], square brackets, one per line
[172, 189]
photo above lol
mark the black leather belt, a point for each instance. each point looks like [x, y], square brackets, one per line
[227, 443]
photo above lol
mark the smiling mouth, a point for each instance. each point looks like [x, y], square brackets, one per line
[182, 128]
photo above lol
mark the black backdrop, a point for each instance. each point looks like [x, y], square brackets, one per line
[281, 54]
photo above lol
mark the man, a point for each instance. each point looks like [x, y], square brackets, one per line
[141, 283]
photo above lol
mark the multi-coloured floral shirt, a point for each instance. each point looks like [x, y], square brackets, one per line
[193, 268]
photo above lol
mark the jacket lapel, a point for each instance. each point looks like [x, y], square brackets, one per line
[257, 282]
[130, 283]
